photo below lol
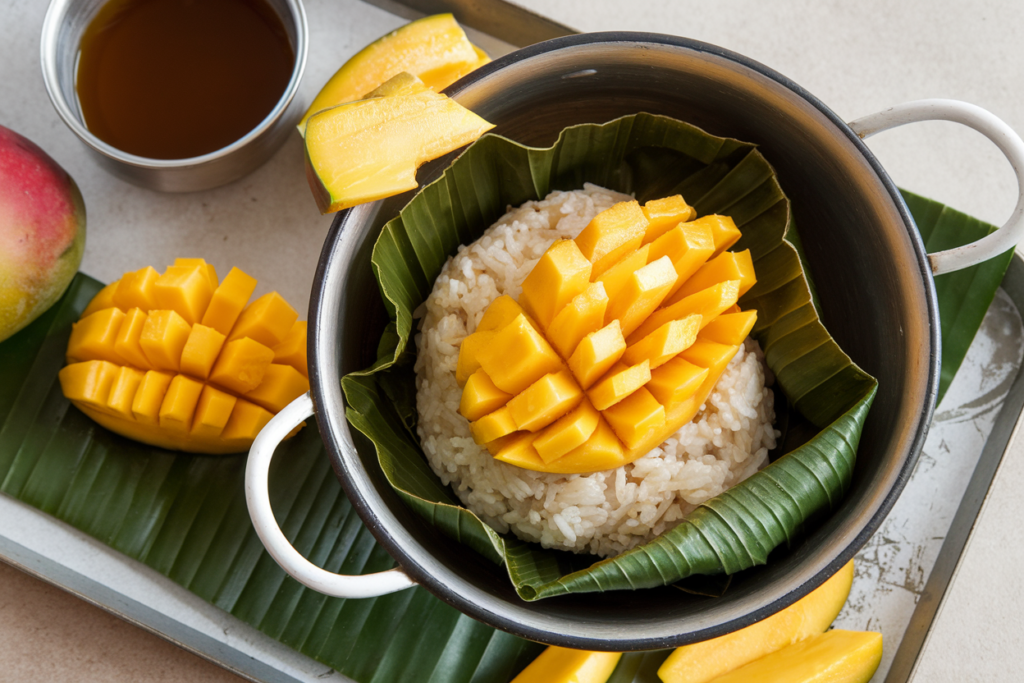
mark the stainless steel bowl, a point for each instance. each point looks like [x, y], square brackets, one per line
[873, 277]
[63, 26]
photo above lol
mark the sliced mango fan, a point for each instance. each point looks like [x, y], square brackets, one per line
[651, 157]
[178, 360]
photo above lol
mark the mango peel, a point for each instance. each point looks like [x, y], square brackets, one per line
[615, 317]
[183, 361]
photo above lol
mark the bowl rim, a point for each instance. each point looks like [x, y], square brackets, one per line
[328, 401]
[48, 57]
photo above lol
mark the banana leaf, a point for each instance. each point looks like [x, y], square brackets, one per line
[649, 156]
[185, 515]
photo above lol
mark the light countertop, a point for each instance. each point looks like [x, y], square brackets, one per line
[857, 58]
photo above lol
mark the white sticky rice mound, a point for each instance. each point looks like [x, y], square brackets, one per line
[604, 513]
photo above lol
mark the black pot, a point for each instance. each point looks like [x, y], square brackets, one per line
[873, 278]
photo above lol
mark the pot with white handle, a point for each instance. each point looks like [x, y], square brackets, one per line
[873, 276]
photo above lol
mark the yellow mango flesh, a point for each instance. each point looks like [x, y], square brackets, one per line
[722, 268]
[621, 381]
[518, 356]
[561, 274]
[811, 615]
[688, 246]
[544, 401]
[664, 214]
[480, 397]
[370, 149]
[724, 230]
[645, 372]
[597, 353]
[570, 431]
[612, 234]
[582, 316]
[434, 48]
[208, 387]
[562, 665]
[832, 657]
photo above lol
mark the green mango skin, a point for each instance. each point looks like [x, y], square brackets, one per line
[42, 231]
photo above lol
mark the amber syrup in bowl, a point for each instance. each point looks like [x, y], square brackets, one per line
[175, 79]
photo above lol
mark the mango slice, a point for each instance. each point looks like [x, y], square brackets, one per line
[152, 375]
[370, 149]
[562, 665]
[809, 616]
[832, 657]
[434, 48]
[634, 308]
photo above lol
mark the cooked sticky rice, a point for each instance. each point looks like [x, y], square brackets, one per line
[604, 513]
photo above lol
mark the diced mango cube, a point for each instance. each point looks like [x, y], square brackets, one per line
[602, 451]
[493, 426]
[612, 234]
[583, 315]
[563, 665]
[688, 246]
[281, 385]
[518, 356]
[266, 320]
[634, 416]
[185, 290]
[163, 338]
[179, 404]
[618, 276]
[88, 382]
[618, 383]
[707, 303]
[675, 381]
[135, 290]
[150, 396]
[568, 432]
[469, 354]
[544, 401]
[560, 274]
[128, 336]
[730, 328]
[241, 365]
[292, 349]
[501, 312]
[228, 301]
[211, 272]
[246, 421]
[122, 391]
[517, 449]
[104, 299]
[645, 291]
[724, 230]
[201, 350]
[597, 353]
[93, 338]
[709, 354]
[730, 265]
[661, 345]
[480, 397]
[212, 413]
[665, 214]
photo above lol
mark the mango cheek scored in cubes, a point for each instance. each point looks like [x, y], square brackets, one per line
[616, 341]
[179, 360]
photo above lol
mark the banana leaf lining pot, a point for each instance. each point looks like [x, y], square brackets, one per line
[873, 277]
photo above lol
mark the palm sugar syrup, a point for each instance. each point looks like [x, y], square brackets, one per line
[174, 79]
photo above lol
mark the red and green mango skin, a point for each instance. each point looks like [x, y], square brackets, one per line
[42, 231]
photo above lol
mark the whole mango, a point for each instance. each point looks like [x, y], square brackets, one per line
[42, 231]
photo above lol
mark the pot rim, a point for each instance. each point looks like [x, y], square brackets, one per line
[326, 390]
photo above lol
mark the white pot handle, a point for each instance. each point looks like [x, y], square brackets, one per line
[257, 497]
[994, 129]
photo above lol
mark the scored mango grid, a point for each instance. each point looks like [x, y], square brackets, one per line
[657, 281]
[179, 361]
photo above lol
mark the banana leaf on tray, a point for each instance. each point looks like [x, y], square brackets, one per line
[185, 515]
